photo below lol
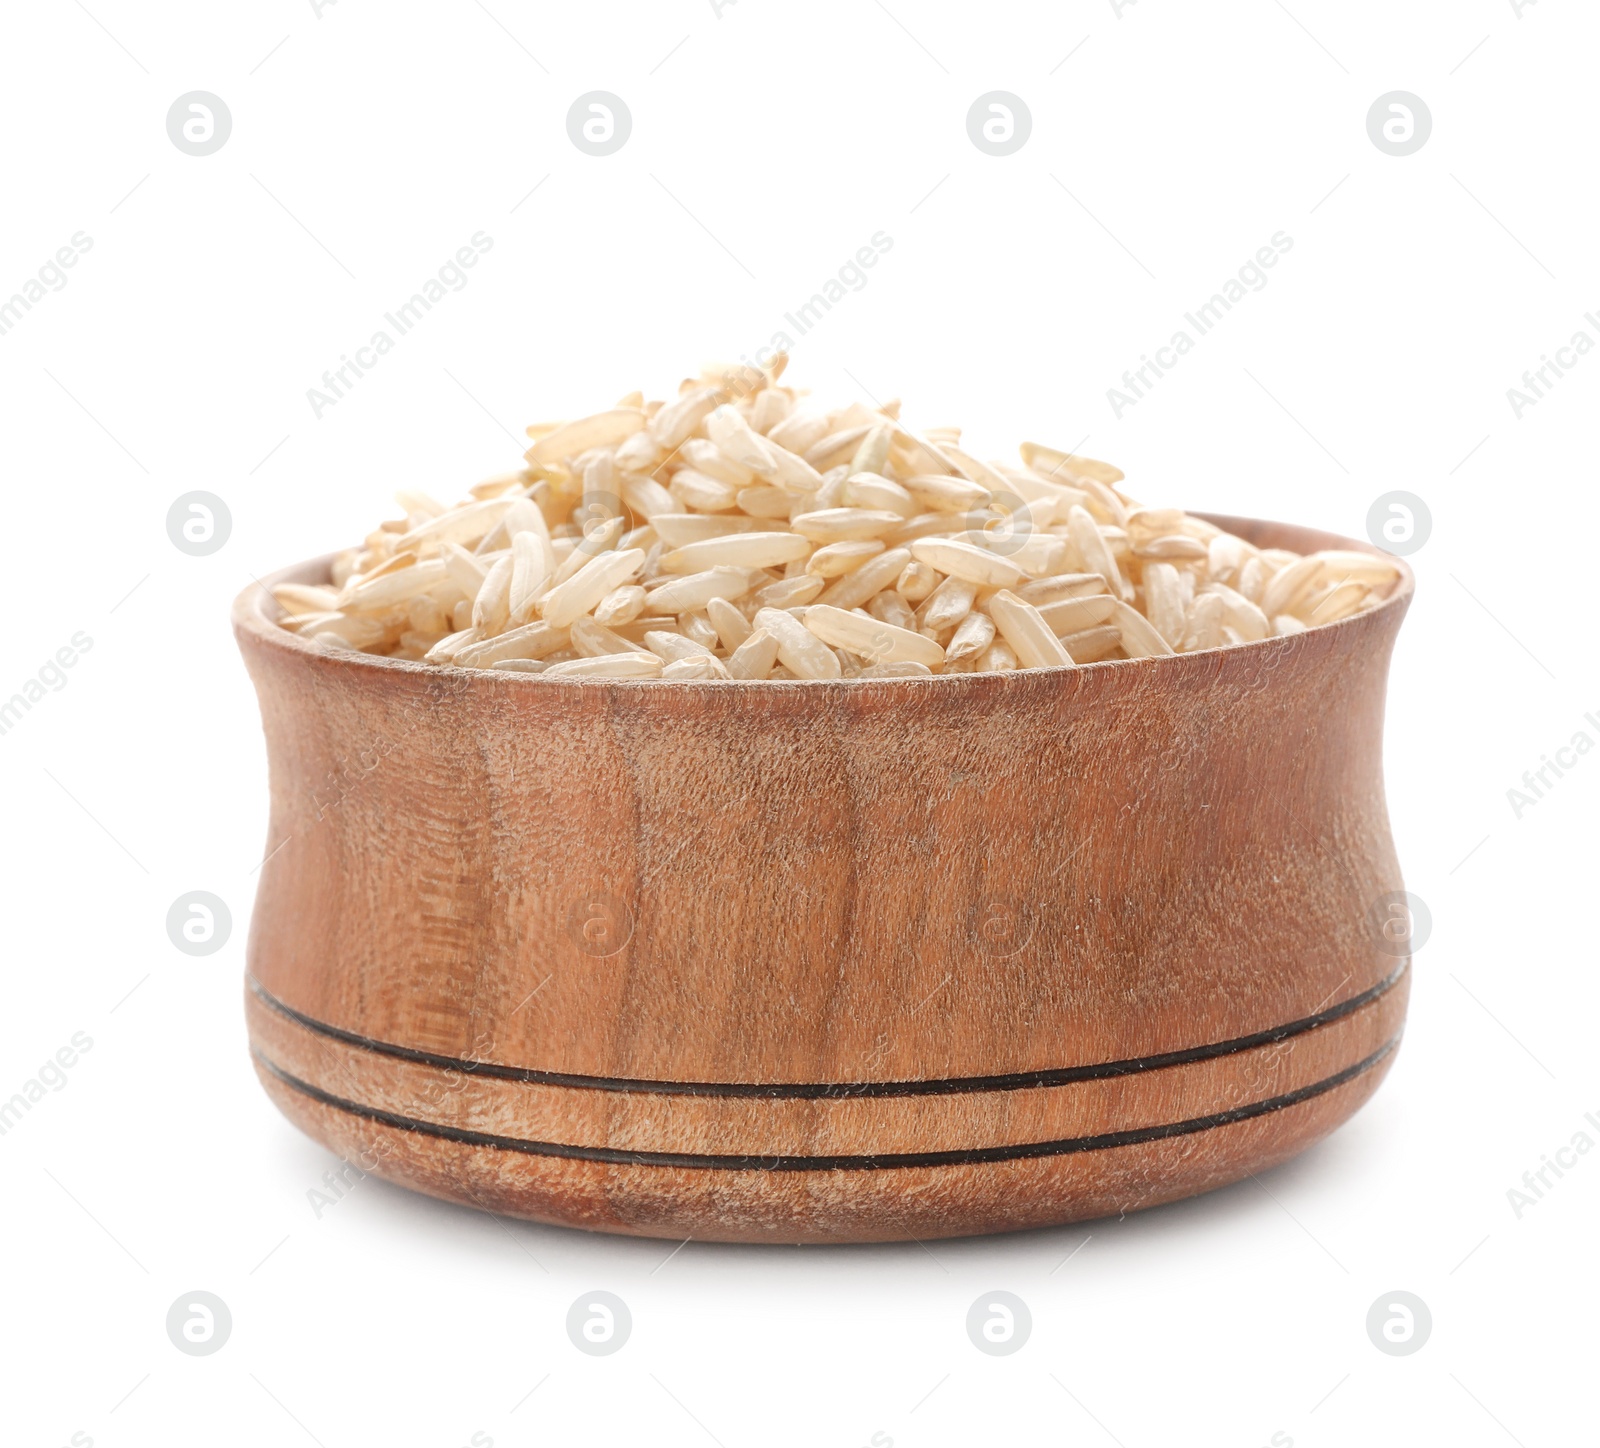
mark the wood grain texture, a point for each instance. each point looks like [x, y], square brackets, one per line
[814, 922]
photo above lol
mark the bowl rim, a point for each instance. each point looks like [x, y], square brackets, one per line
[251, 615]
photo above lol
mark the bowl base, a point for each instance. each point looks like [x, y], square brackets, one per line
[837, 1168]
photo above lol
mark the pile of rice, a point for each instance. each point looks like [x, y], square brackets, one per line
[742, 532]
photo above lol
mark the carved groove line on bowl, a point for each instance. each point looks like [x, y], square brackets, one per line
[972, 1156]
[828, 1090]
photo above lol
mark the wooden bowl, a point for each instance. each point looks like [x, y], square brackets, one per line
[841, 962]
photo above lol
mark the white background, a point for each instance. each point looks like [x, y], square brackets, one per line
[768, 144]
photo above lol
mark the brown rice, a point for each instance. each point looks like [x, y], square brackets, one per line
[739, 532]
